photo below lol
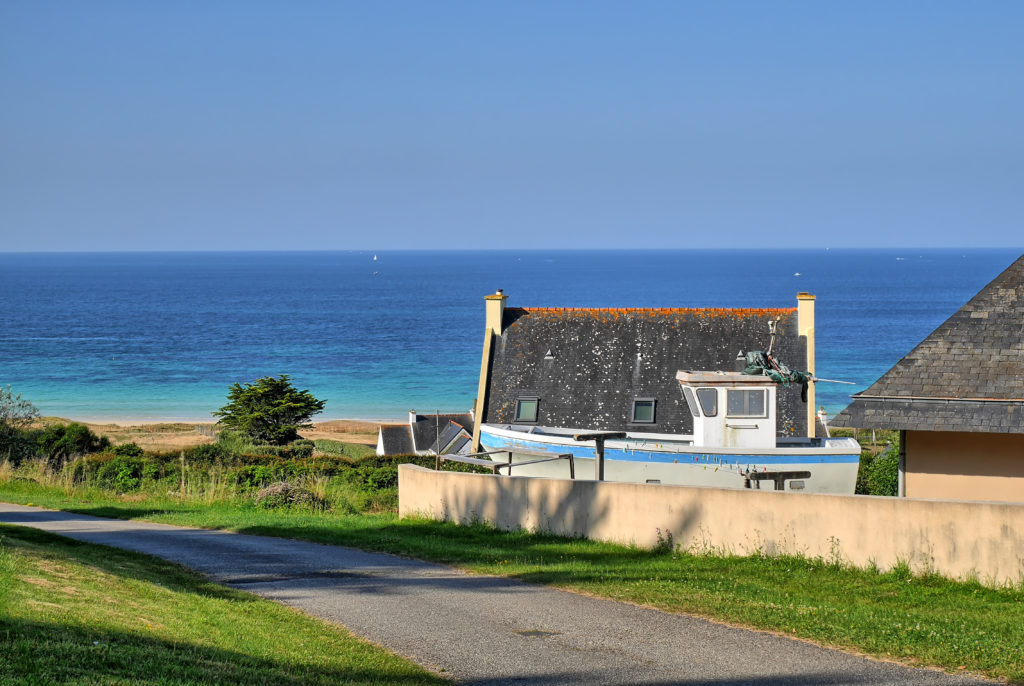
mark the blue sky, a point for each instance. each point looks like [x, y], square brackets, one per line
[396, 125]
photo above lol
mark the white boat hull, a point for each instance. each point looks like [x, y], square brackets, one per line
[832, 463]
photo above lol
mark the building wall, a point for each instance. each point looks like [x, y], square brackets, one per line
[952, 538]
[600, 360]
[967, 466]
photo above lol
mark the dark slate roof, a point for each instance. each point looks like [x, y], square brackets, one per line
[602, 359]
[967, 375]
[397, 439]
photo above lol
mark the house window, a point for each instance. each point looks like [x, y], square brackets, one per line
[526, 410]
[708, 398]
[691, 402]
[643, 411]
[742, 403]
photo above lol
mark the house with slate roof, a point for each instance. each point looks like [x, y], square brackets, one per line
[615, 369]
[957, 400]
[427, 434]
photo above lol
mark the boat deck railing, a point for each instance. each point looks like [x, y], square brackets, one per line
[479, 459]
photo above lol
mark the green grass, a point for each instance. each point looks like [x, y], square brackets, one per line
[76, 613]
[925, 620]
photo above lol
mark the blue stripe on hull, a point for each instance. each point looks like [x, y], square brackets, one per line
[492, 442]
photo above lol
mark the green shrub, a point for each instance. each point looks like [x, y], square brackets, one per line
[16, 446]
[128, 450]
[879, 474]
[120, 473]
[883, 473]
[866, 458]
[60, 442]
[207, 454]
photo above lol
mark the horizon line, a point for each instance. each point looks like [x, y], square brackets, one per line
[973, 248]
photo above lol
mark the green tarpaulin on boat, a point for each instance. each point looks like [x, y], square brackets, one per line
[760, 363]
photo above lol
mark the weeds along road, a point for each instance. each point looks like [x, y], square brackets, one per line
[483, 629]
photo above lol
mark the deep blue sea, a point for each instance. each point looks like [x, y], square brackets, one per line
[163, 335]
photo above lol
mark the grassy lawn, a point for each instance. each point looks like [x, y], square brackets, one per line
[78, 613]
[917, 620]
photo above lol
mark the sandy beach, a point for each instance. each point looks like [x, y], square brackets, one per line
[173, 435]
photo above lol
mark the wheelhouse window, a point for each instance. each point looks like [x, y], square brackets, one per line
[691, 401]
[745, 403]
[526, 410]
[708, 398]
[643, 411]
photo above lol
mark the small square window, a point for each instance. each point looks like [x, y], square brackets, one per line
[526, 410]
[742, 403]
[643, 411]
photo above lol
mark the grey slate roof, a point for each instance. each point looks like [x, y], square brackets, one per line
[397, 439]
[426, 427]
[453, 436]
[602, 359]
[403, 439]
[967, 375]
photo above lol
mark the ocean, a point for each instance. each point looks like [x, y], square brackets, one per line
[163, 335]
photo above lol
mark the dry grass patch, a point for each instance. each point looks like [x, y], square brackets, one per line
[344, 430]
[168, 436]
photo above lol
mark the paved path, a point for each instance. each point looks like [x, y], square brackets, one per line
[482, 629]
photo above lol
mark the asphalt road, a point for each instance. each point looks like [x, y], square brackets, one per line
[482, 629]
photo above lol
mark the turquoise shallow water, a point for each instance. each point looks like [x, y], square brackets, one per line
[163, 335]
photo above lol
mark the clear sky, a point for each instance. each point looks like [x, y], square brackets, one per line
[194, 124]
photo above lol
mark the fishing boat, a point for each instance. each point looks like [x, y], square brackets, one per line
[734, 443]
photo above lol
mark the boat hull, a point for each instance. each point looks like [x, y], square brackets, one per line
[832, 465]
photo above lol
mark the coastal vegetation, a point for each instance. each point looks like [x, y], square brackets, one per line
[73, 612]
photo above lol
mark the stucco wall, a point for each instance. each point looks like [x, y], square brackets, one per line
[956, 539]
[968, 466]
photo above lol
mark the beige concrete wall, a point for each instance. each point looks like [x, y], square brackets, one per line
[966, 466]
[956, 539]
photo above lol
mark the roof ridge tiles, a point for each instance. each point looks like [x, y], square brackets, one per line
[739, 311]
